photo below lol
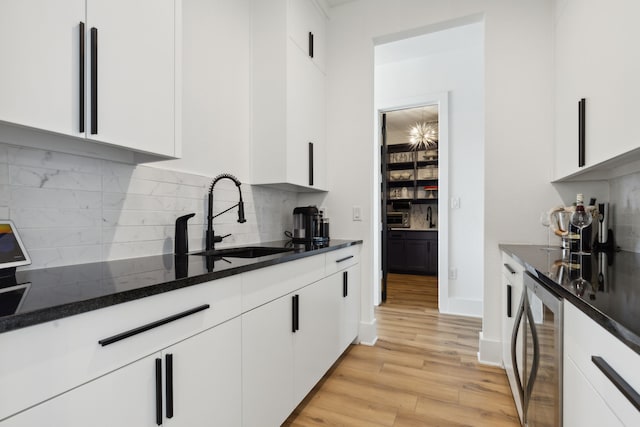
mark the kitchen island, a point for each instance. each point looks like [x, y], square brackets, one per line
[171, 340]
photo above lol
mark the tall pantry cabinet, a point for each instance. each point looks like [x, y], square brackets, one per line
[100, 70]
[288, 94]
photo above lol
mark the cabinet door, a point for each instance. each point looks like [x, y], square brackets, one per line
[349, 288]
[596, 65]
[396, 255]
[432, 255]
[125, 397]
[207, 378]
[39, 76]
[267, 364]
[582, 405]
[305, 121]
[136, 73]
[305, 18]
[315, 340]
[416, 255]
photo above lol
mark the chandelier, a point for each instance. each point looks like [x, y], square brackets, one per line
[424, 135]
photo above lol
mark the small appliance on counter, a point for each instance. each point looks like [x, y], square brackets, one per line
[400, 215]
[310, 227]
[398, 220]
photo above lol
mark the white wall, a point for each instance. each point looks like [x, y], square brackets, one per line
[448, 61]
[517, 127]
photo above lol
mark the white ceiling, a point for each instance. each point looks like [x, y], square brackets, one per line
[334, 3]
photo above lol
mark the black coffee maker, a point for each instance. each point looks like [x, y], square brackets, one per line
[310, 228]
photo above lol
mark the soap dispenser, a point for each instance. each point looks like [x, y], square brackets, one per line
[181, 237]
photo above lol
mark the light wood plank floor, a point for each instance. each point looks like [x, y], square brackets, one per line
[423, 371]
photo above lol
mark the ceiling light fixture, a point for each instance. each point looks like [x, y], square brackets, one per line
[424, 135]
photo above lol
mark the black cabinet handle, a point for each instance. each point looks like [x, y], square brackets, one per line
[94, 81]
[581, 132]
[169, 384]
[81, 81]
[310, 44]
[295, 319]
[625, 388]
[148, 326]
[344, 259]
[311, 163]
[509, 269]
[159, 391]
[345, 284]
[509, 292]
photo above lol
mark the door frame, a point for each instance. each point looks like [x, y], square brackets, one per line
[442, 100]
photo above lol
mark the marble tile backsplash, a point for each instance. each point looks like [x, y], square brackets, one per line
[625, 211]
[72, 209]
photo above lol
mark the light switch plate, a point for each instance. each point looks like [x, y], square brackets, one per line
[455, 203]
[357, 213]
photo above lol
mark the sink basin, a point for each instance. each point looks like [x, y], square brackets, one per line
[246, 252]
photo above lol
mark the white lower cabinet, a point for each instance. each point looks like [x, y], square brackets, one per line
[287, 346]
[206, 389]
[245, 350]
[348, 286]
[123, 397]
[289, 343]
[267, 363]
[591, 398]
[207, 378]
[314, 342]
[584, 407]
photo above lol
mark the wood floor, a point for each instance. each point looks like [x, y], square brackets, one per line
[423, 371]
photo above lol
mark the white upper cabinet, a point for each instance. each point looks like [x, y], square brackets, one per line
[40, 81]
[136, 74]
[95, 69]
[288, 95]
[307, 29]
[595, 60]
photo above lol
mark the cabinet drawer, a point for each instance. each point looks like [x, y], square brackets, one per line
[342, 258]
[267, 284]
[41, 361]
[584, 338]
[510, 267]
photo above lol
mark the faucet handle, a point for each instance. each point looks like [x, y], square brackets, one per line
[218, 239]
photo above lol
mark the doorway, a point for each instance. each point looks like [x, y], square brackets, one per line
[409, 158]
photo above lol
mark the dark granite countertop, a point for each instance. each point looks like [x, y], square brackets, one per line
[38, 296]
[612, 296]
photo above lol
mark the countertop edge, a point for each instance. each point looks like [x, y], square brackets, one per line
[629, 338]
[35, 317]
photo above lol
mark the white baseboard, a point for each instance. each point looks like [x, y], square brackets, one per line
[368, 333]
[464, 307]
[490, 351]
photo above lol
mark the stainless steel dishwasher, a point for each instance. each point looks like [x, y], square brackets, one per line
[537, 358]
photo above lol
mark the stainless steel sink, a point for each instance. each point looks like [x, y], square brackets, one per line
[246, 252]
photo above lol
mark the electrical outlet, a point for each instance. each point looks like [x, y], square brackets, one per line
[357, 213]
[453, 273]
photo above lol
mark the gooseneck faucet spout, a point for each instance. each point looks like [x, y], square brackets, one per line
[211, 238]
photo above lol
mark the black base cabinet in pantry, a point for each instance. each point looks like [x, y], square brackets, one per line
[413, 252]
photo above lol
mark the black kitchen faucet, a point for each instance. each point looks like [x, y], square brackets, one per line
[211, 238]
